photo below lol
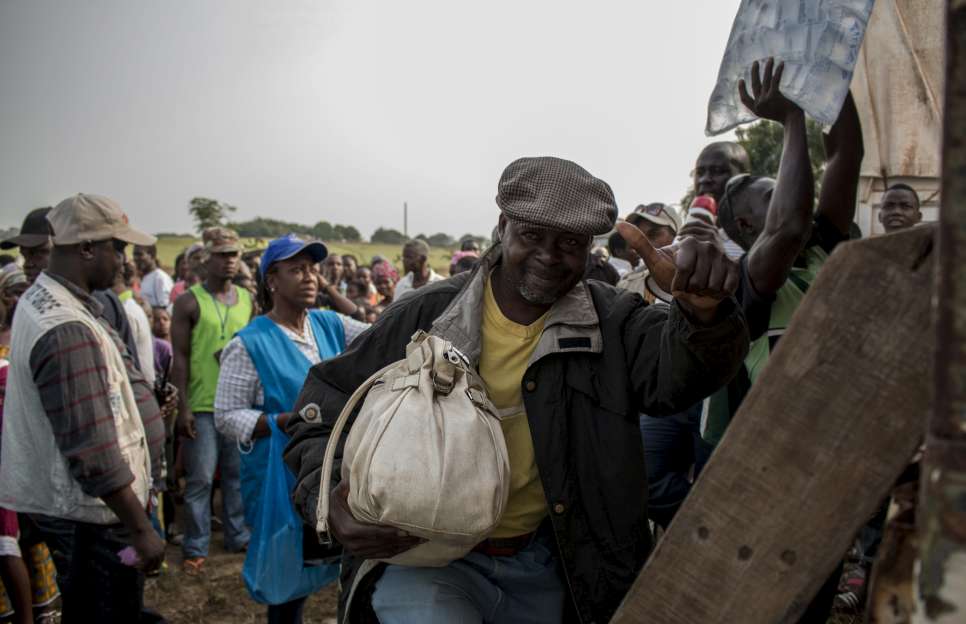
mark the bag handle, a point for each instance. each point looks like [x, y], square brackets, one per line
[424, 347]
[322, 509]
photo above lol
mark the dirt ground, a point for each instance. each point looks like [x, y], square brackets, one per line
[219, 595]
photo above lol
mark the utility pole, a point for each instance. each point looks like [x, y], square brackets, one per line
[406, 220]
[941, 519]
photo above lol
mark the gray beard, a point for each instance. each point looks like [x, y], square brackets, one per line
[535, 297]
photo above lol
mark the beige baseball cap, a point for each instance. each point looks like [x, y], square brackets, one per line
[657, 213]
[94, 218]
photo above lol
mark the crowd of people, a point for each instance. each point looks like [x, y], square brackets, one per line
[179, 337]
[616, 369]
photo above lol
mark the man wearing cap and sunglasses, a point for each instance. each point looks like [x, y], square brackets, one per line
[569, 363]
[203, 321]
[93, 459]
[659, 223]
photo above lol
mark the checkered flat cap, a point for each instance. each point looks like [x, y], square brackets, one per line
[556, 194]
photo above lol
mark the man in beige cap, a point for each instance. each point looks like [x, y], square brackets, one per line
[202, 324]
[93, 459]
[660, 224]
[569, 363]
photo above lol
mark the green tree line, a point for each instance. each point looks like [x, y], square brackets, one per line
[260, 227]
[208, 212]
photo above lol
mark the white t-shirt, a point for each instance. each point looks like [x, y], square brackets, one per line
[405, 285]
[156, 288]
[143, 339]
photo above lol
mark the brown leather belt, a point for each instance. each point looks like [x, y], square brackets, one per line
[503, 546]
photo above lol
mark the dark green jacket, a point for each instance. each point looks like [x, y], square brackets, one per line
[604, 357]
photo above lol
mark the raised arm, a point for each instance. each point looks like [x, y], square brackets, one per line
[789, 219]
[183, 320]
[840, 182]
[340, 302]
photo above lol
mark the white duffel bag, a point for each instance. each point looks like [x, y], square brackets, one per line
[426, 454]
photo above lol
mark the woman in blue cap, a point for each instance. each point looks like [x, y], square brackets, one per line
[262, 371]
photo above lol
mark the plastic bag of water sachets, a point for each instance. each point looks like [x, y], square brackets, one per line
[819, 42]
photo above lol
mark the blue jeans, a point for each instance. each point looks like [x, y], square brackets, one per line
[672, 445]
[208, 451]
[525, 588]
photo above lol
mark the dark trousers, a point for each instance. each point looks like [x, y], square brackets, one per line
[286, 613]
[672, 445]
[101, 588]
[58, 534]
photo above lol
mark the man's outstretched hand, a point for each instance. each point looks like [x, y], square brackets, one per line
[696, 273]
[766, 99]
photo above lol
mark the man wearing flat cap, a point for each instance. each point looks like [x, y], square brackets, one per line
[570, 364]
[82, 432]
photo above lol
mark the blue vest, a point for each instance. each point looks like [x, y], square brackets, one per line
[281, 366]
[273, 570]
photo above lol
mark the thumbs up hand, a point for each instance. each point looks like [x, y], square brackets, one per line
[697, 273]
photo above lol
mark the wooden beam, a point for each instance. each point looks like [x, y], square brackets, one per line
[816, 446]
[942, 511]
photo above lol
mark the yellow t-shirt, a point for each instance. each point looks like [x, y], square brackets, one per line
[507, 347]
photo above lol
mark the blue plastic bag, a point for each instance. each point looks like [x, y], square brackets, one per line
[274, 571]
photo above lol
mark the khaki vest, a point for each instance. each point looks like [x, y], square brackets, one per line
[34, 476]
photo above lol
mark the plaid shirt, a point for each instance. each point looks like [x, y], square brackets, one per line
[240, 389]
[71, 375]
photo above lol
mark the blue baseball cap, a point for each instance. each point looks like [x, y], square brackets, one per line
[287, 246]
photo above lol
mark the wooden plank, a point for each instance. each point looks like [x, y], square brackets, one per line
[817, 444]
[942, 513]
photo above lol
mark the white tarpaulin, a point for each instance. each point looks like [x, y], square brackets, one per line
[819, 41]
[898, 89]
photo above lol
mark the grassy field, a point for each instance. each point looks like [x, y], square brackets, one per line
[170, 246]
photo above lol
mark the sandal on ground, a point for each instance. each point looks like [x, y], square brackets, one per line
[193, 567]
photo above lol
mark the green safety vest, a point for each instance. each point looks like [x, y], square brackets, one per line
[217, 324]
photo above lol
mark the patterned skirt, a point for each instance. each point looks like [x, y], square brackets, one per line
[43, 580]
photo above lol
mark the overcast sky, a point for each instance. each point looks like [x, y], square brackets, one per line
[342, 110]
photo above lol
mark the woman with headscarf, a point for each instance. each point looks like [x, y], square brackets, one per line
[262, 371]
[13, 284]
[384, 278]
[463, 261]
